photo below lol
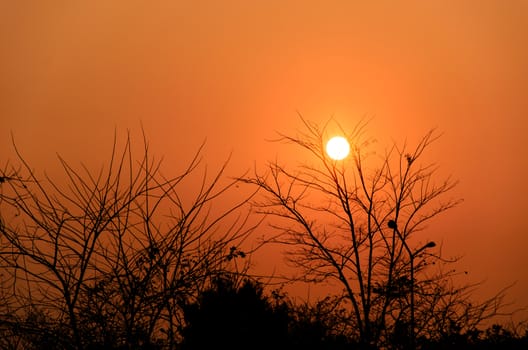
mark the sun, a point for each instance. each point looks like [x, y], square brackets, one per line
[337, 148]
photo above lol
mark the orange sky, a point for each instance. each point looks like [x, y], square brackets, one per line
[235, 72]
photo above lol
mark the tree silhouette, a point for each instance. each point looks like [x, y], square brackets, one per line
[108, 259]
[357, 222]
[127, 258]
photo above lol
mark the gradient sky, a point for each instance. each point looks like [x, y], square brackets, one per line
[235, 72]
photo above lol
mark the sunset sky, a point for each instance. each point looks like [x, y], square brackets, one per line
[234, 73]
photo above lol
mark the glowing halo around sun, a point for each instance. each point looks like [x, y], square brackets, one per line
[337, 148]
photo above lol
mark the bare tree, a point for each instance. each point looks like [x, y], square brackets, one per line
[357, 221]
[110, 257]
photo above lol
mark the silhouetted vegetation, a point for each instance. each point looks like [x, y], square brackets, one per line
[241, 316]
[107, 259]
[127, 258]
[228, 316]
[356, 222]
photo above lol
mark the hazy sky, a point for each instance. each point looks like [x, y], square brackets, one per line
[234, 72]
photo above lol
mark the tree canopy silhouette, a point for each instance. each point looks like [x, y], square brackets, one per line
[357, 223]
[109, 258]
[128, 258]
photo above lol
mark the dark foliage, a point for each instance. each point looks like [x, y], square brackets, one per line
[495, 337]
[231, 316]
[228, 316]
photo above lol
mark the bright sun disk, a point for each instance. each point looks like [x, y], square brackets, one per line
[337, 148]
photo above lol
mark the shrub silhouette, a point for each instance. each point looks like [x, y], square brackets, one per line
[235, 315]
[228, 316]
